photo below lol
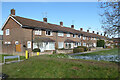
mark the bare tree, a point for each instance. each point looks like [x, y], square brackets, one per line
[110, 14]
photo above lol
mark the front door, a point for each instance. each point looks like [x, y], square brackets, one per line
[18, 48]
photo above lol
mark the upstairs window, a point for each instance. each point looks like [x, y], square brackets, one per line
[49, 33]
[38, 32]
[87, 38]
[60, 34]
[74, 36]
[7, 32]
[68, 35]
[79, 36]
[84, 37]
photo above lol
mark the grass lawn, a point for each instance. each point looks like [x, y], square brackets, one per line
[103, 52]
[49, 66]
[2, 58]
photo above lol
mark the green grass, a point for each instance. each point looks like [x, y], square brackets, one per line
[2, 58]
[103, 52]
[49, 66]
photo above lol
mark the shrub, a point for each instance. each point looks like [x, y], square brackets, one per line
[100, 43]
[36, 50]
[85, 48]
[77, 50]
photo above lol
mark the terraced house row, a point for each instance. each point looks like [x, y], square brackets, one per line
[20, 33]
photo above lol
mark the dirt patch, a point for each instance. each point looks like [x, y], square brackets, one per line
[75, 68]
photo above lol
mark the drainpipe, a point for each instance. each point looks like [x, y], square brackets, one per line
[32, 40]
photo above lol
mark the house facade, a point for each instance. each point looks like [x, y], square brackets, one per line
[20, 34]
[1, 42]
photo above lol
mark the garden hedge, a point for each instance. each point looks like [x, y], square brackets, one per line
[77, 50]
[36, 50]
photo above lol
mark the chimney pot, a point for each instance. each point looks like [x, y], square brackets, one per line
[93, 31]
[72, 26]
[81, 29]
[87, 30]
[97, 32]
[12, 11]
[45, 19]
[61, 23]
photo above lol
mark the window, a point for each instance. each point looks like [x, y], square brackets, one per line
[84, 44]
[84, 37]
[7, 42]
[79, 44]
[68, 35]
[60, 44]
[28, 44]
[74, 36]
[16, 42]
[60, 34]
[78, 36]
[38, 32]
[7, 32]
[94, 38]
[49, 33]
[76, 44]
[87, 38]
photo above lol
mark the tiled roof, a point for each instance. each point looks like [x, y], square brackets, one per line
[43, 39]
[30, 23]
[69, 41]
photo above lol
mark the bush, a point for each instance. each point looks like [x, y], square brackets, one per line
[100, 43]
[85, 48]
[36, 50]
[77, 50]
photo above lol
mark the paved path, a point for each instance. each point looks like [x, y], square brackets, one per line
[87, 52]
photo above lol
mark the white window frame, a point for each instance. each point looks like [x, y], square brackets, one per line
[16, 42]
[38, 32]
[47, 34]
[74, 36]
[60, 34]
[7, 31]
[84, 44]
[28, 44]
[68, 35]
[62, 45]
[84, 37]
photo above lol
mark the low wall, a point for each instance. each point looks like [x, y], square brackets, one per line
[64, 51]
[32, 53]
[98, 48]
[92, 49]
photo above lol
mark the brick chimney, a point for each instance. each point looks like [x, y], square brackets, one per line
[93, 31]
[72, 26]
[97, 32]
[45, 19]
[61, 23]
[104, 33]
[81, 29]
[12, 12]
[87, 30]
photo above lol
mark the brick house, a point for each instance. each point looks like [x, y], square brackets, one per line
[19, 34]
[1, 41]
